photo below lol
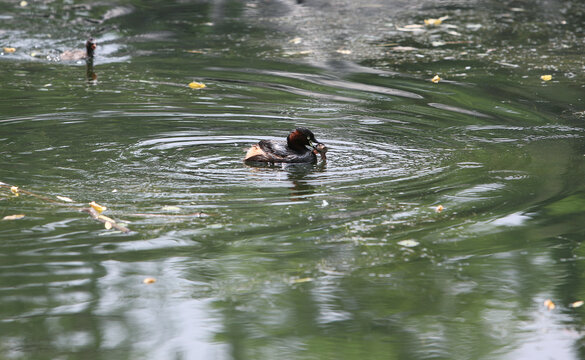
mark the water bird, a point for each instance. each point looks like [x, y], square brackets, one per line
[300, 147]
[78, 54]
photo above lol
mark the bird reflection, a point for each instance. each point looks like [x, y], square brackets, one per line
[89, 71]
[297, 174]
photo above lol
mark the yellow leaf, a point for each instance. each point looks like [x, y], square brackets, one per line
[23, 3]
[549, 304]
[576, 304]
[546, 77]
[436, 79]
[196, 85]
[14, 190]
[149, 280]
[9, 49]
[13, 217]
[439, 208]
[97, 207]
[435, 22]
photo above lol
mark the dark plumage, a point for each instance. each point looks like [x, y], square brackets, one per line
[300, 147]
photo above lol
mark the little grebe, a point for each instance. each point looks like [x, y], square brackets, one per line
[75, 55]
[300, 147]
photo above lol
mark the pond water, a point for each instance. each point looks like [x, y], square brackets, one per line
[444, 217]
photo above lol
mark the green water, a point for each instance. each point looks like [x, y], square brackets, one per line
[343, 259]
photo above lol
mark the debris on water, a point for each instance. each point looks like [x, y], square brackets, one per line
[9, 50]
[576, 304]
[549, 304]
[64, 198]
[13, 217]
[197, 85]
[408, 243]
[14, 190]
[301, 280]
[435, 22]
[97, 207]
[149, 280]
[343, 51]
[439, 208]
[436, 79]
[296, 40]
[171, 208]
[546, 77]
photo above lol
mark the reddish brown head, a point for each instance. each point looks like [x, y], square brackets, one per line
[90, 46]
[301, 139]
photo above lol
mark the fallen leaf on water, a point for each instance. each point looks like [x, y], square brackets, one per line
[343, 51]
[436, 79]
[408, 243]
[576, 304]
[108, 225]
[97, 207]
[411, 28]
[9, 49]
[439, 208]
[64, 198]
[13, 217]
[14, 190]
[196, 85]
[549, 304]
[171, 208]
[302, 280]
[546, 77]
[23, 3]
[435, 22]
[149, 280]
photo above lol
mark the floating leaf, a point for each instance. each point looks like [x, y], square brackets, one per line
[302, 280]
[435, 22]
[196, 85]
[576, 304]
[408, 243]
[343, 51]
[97, 207]
[411, 28]
[9, 49]
[546, 77]
[23, 3]
[436, 79]
[171, 208]
[14, 190]
[439, 208]
[64, 198]
[108, 225]
[149, 280]
[549, 304]
[13, 217]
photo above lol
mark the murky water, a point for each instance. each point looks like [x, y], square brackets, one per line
[348, 258]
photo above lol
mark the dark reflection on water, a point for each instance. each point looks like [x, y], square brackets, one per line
[348, 258]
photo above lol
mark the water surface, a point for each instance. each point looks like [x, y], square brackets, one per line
[347, 258]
